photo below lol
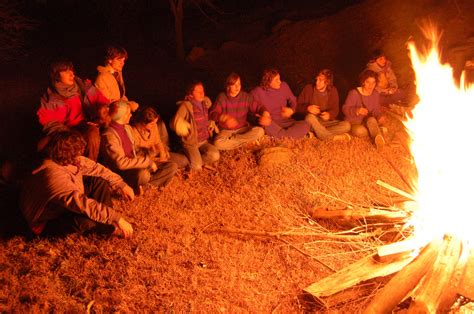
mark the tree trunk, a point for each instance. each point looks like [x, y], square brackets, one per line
[177, 8]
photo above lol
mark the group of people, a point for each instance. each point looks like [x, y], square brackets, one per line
[91, 148]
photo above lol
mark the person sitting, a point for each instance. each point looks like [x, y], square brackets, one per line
[110, 78]
[362, 109]
[71, 103]
[192, 125]
[70, 193]
[387, 85]
[148, 137]
[230, 111]
[319, 103]
[277, 97]
[119, 154]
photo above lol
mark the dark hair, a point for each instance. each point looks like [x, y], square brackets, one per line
[267, 77]
[146, 115]
[58, 66]
[366, 74]
[231, 79]
[64, 147]
[327, 74]
[190, 88]
[377, 53]
[115, 52]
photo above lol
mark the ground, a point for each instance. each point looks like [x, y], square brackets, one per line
[203, 243]
[197, 245]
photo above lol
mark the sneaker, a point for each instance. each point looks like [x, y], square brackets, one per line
[344, 137]
[379, 141]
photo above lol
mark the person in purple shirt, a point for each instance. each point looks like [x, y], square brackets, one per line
[362, 109]
[230, 111]
[192, 124]
[277, 97]
[319, 104]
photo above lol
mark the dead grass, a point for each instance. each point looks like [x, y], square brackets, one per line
[182, 257]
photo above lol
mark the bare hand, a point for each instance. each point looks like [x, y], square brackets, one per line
[286, 112]
[154, 167]
[212, 127]
[229, 121]
[382, 120]
[325, 116]
[314, 109]
[164, 155]
[126, 228]
[127, 192]
[133, 105]
[362, 111]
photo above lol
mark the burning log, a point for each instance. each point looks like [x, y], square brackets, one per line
[363, 270]
[435, 294]
[403, 282]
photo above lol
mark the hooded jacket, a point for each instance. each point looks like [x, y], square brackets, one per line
[183, 122]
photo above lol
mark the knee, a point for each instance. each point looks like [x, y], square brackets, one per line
[345, 126]
[259, 132]
[213, 155]
[311, 118]
[359, 130]
[144, 176]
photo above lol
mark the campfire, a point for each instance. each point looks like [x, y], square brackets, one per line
[433, 269]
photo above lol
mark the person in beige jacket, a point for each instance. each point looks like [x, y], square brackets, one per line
[119, 153]
[110, 78]
[71, 193]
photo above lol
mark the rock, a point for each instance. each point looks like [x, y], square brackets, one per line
[273, 156]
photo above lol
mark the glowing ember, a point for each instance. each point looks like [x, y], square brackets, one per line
[442, 147]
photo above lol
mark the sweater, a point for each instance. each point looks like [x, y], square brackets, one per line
[306, 97]
[355, 100]
[237, 107]
[52, 183]
[274, 100]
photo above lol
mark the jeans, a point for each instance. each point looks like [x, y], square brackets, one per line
[231, 139]
[200, 154]
[327, 129]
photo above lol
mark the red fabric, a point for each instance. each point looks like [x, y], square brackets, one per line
[68, 111]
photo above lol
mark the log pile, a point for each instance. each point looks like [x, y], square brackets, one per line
[426, 280]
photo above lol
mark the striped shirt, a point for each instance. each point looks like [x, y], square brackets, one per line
[237, 107]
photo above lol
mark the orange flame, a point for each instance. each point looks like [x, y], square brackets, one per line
[441, 130]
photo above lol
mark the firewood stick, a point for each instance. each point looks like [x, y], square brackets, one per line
[404, 281]
[400, 174]
[358, 237]
[396, 190]
[430, 296]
